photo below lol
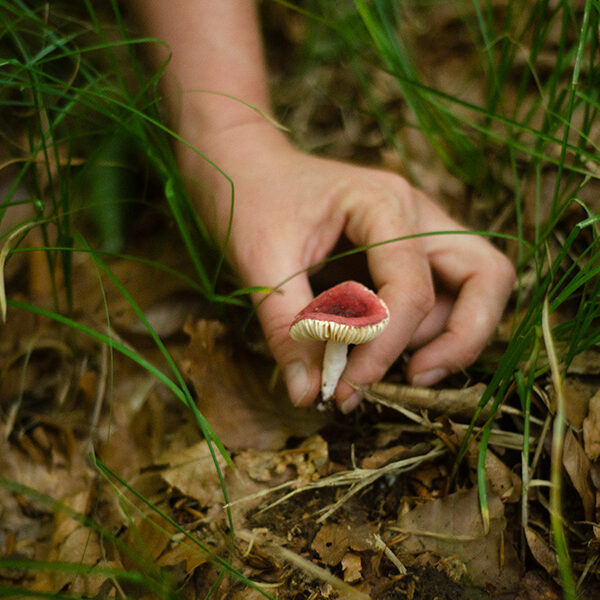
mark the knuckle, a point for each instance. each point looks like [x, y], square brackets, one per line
[277, 334]
[506, 270]
[423, 298]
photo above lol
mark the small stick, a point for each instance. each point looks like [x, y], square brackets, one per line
[458, 404]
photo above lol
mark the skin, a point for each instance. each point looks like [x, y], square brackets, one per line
[217, 46]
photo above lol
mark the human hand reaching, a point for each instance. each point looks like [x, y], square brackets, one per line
[445, 292]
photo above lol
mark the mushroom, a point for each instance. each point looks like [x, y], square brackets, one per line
[348, 313]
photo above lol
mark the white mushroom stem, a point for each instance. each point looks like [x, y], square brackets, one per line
[334, 362]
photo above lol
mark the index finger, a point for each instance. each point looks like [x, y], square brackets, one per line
[401, 273]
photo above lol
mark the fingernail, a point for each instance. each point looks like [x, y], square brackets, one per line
[429, 377]
[351, 402]
[296, 379]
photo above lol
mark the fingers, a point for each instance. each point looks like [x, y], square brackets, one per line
[400, 271]
[454, 328]
[435, 321]
[485, 278]
[300, 362]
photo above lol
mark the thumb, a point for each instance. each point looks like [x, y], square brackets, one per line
[300, 362]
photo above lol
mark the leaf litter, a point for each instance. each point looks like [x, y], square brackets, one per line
[367, 506]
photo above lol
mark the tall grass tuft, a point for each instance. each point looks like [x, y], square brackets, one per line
[83, 145]
[532, 139]
[518, 125]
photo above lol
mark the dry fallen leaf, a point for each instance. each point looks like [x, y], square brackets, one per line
[452, 526]
[458, 404]
[231, 386]
[333, 541]
[591, 428]
[192, 471]
[75, 543]
[382, 457]
[542, 552]
[501, 479]
[577, 465]
[577, 395]
[302, 463]
[352, 567]
[149, 535]
[184, 551]
[536, 586]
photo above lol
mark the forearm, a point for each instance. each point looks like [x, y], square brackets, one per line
[216, 47]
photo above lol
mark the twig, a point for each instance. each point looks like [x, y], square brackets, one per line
[302, 563]
[381, 545]
[358, 479]
[459, 404]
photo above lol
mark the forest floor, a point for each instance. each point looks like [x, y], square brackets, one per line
[102, 466]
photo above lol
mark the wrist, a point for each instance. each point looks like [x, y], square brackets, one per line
[242, 150]
[241, 139]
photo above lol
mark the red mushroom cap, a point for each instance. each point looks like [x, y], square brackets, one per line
[348, 312]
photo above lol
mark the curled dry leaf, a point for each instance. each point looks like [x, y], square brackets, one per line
[302, 463]
[577, 394]
[148, 535]
[504, 482]
[585, 363]
[577, 465]
[536, 586]
[591, 429]
[542, 552]
[382, 457]
[184, 551]
[72, 542]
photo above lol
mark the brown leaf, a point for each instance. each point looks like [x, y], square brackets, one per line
[577, 465]
[542, 552]
[586, 363]
[591, 429]
[536, 586]
[501, 479]
[192, 471]
[452, 526]
[187, 551]
[352, 567]
[334, 540]
[458, 404]
[577, 395]
[233, 394]
[72, 542]
[148, 536]
[302, 463]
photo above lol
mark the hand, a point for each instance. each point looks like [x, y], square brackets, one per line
[445, 293]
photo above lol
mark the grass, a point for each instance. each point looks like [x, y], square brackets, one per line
[549, 127]
[76, 101]
[77, 124]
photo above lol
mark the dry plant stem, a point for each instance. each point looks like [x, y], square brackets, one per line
[279, 551]
[368, 476]
[4, 252]
[558, 438]
[459, 404]
[381, 545]
[357, 479]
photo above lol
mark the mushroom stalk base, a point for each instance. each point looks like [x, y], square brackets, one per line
[334, 362]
